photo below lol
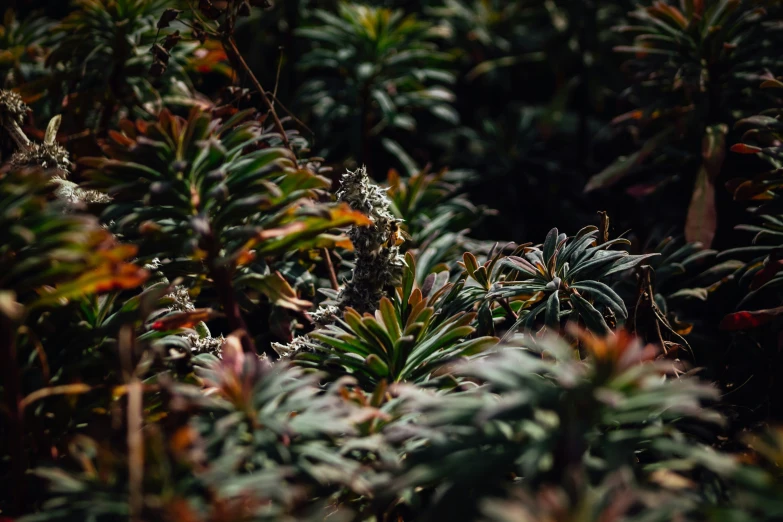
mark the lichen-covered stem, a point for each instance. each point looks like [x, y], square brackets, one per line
[378, 264]
[17, 134]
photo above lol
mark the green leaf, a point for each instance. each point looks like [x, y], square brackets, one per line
[592, 317]
[377, 366]
[390, 319]
[553, 311]
[404, 158]
[625, 164]
[605, 295]
[549, 245]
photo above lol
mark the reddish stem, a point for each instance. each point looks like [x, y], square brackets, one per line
[330, 267]
[13, 396]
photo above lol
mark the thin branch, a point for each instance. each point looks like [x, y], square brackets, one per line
[291, 114]
[17, 134]
[135, 449]
[507, 307]
[126, 341]
[332, 273]
[234, 55]
[277, 76]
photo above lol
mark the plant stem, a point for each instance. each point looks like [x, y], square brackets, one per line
[13, 396]
[17, 134]
[229, 46]
[135, 422]
[330, 267]
[135, 442]
[222, 281]
[510, 315]
[221, 278]
[290, 114]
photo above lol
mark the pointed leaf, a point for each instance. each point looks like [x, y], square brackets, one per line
[701, 221]
[593, 319]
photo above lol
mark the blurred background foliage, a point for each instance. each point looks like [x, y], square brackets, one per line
[177, 339]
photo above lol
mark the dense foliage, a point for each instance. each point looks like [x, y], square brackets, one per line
[298, 260]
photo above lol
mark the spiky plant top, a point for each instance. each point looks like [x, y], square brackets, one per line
[73, 194]
[200, 338]
[12, 112]
[179, 300]
[47, 155]
[51, 156]
[12, 108]
[378, 263]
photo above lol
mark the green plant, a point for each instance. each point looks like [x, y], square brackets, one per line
[430, 203]
[759, 277]
[102, 61]
[164, 351]
[668, 297]
[47, 259]
[616, 498]
[389, 347]
[24, 45]
[375, 71]
[758, 478]
[436, 214]
[538, 413]
[268, 426]
[215, 25]
[531, 136]
[260, 444]
[762, 134]
[206, 199]
[410, 336]
[692, 66]
[493, 37]
[750, 319]
[564, 270]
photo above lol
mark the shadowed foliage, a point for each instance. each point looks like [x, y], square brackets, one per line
[282, 261]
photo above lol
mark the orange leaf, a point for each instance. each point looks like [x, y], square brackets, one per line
[741, 148]
[65, 389]
[772, 83]
[637, 114]
[751, 190]
[110, 279]
[105, 278]
[120, 139]
[245, 256]
[183, 438]
[393, 180]
[180, 320]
